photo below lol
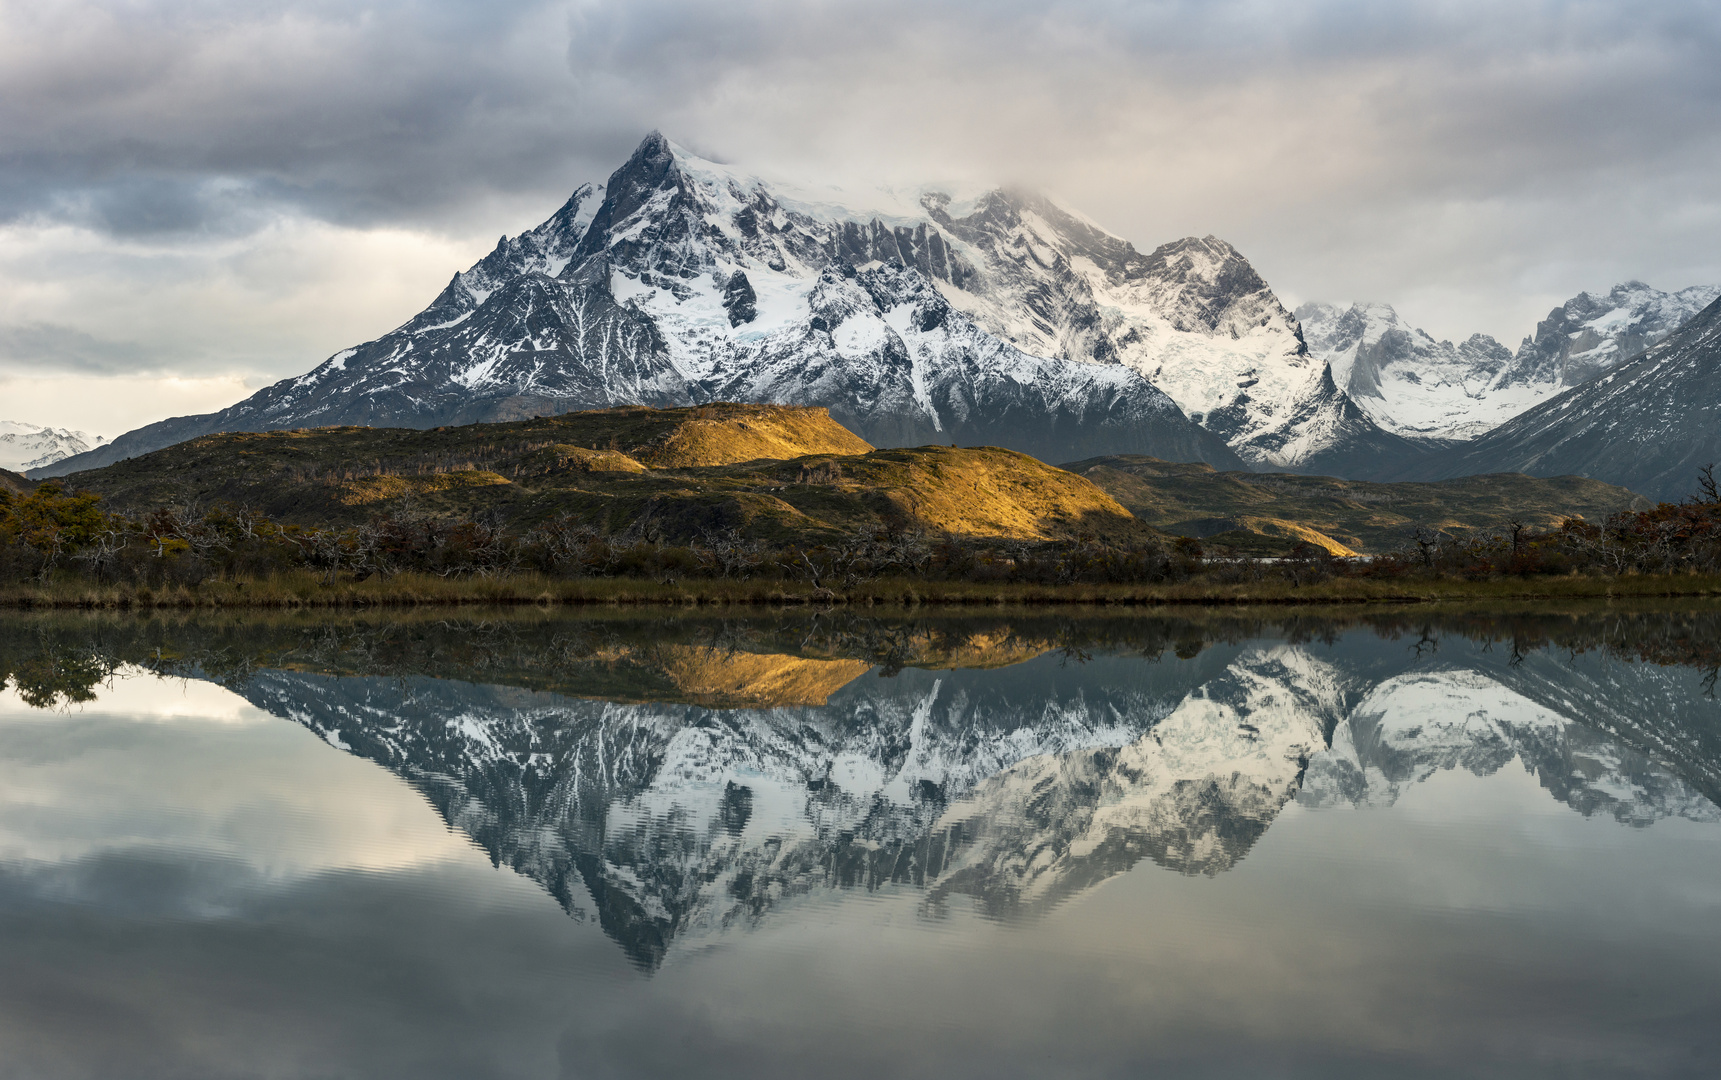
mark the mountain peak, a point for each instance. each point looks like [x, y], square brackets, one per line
[1004, 319]
[1206, 280]
[33, 446]
[644, 172]
[1406, 381]
[1590, 334]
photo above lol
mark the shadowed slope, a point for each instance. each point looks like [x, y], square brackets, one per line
[1272, 512]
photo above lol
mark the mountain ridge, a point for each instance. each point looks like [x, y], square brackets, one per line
[1008, 320]
[1648, 424]
[1444, 393]
[25, 446]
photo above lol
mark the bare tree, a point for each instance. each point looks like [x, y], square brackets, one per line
[1707, 484]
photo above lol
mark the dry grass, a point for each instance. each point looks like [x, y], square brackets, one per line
[974, 492]
[1292, 533]
[780, 474]
[731, 435]
[988, 491]
[376, 489]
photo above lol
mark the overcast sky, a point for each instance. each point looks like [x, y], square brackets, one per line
[197, 198]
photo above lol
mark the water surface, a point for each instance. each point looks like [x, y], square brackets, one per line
[528, 845]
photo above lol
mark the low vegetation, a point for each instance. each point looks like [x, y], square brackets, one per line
[653, 505]
[1270, 513]
[774, 475]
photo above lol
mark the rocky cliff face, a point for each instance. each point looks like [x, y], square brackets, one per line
[1005, 319]
[1409, 383]
[1591, 334]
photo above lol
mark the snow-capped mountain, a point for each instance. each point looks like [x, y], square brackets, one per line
[1003, 319]
[1016, 788]
[664, 821]
[1192, 316]
[1590, 334]
[1648, 424]
[1410, 384]
[1412, 726]
[31, 446]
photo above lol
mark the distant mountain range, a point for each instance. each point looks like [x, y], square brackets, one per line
[1412, 385]
[1648, 424]
[917, 317]
[32, 446]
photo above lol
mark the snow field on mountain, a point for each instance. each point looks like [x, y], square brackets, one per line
[31, 446]
[1253, 354]
[1411, 384]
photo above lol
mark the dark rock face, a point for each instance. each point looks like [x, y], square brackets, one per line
[1648, 424]
[739, 300]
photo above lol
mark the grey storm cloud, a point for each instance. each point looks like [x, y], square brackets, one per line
[1473, 162]
[38, 345]
[149, 118]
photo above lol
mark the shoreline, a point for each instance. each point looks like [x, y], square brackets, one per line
[420, 590]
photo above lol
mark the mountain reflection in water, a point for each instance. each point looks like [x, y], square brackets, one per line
[680, 779]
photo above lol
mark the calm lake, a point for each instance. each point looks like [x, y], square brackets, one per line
[530, 844]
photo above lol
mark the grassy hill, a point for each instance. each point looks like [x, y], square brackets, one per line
[793, 475]
[1266, 513]
[774, 473]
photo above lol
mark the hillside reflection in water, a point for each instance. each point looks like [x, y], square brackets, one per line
[694, 786]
